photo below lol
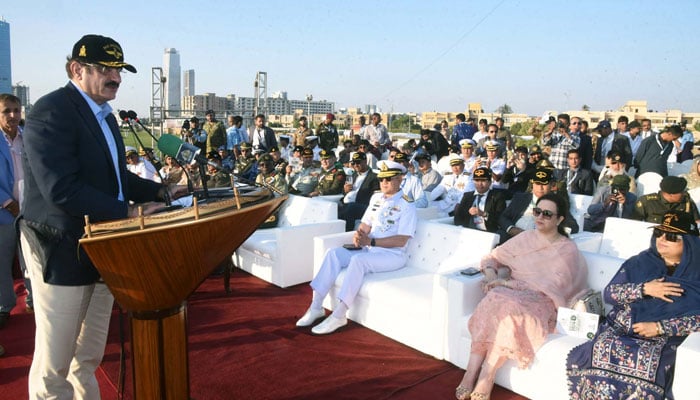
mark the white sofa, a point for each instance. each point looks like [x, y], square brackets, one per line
[546, 377]
[409, 305]
[283, 255]
[621, 238]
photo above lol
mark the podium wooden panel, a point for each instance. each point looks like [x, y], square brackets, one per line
[152, 264]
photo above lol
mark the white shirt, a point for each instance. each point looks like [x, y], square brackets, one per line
[16, 147]
[351, 196]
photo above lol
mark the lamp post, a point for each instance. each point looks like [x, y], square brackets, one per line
[308, 106]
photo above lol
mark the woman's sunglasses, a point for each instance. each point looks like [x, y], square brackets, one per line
[670, 237]
[546, 214]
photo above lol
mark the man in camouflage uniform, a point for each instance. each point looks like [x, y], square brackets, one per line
[672, 196]
[217, 177]
[332, 178]
[302, 132]
[216, 133]
[245, 164]
[306, 180]
[327, 133]
[268, 176]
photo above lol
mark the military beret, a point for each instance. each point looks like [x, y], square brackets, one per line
[673, 184]
[621, 181]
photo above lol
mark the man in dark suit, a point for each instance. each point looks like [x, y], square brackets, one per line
[517, 217]
[74, 166]
[577, 179]
[359, 188]
[607, 142]
[262, 137]
[481, 208]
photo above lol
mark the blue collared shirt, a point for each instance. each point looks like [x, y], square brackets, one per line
[101, 112]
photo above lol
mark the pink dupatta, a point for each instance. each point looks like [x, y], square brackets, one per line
[556, 269]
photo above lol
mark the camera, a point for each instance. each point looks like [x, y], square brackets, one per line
[186, 125]
[615, 191]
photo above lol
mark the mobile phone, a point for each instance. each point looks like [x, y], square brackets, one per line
[471, 271]
[351, 247]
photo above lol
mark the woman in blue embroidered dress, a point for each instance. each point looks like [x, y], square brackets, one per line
[656, 305]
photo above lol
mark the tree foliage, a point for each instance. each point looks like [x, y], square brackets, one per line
[400, 124]
[504, 109]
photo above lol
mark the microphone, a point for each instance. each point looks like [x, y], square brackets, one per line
[132, 115]
[184, 153]
[124, 116]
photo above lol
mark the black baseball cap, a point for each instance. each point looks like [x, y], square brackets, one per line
[102, 50]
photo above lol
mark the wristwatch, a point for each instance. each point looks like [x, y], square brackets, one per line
[372, 242]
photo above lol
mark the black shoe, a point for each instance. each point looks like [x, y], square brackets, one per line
[4, 316]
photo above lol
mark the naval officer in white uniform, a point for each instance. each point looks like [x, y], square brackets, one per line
[382, 239]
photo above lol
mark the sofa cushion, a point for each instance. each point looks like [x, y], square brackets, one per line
[262, 242]
[299, 210]
[439, 248]
[397, 289]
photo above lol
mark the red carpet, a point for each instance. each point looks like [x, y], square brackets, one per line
[245, 346]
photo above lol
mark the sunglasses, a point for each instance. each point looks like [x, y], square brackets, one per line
[546, 214]
[670, 237]
[104, 70]
[386, 179]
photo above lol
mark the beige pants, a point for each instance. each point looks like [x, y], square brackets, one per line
[71, 332]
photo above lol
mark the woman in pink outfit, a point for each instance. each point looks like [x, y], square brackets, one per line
[525, 280]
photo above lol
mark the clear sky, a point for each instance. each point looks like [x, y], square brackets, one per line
[409, 56]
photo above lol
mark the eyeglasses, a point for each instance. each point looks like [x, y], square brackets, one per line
[574, 123]
[670, 237]
[546, 214]
[104, 70]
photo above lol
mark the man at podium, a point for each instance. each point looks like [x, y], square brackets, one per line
[74, 166]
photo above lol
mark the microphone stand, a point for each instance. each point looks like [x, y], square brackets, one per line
[166, 196]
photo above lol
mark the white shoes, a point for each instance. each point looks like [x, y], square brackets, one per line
[329, 325]
[311, 316]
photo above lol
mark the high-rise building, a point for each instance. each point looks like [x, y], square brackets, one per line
[22, 92]
[188, 83]
[5, 58]
[171, 71]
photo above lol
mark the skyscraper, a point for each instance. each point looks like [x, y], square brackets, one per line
[171, 71]
[5, 58]
[188, 82]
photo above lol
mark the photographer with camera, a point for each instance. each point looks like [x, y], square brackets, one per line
[614, 200]
[192, 133]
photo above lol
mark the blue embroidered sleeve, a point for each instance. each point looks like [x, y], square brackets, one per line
[681, 326]
[623, 293]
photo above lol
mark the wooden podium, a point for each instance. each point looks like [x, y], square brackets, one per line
[152, 264]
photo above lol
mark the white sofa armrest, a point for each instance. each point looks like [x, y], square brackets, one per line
[325, 242]
[463, 295]
[445, 220]
[687, 365]
[294, 261]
